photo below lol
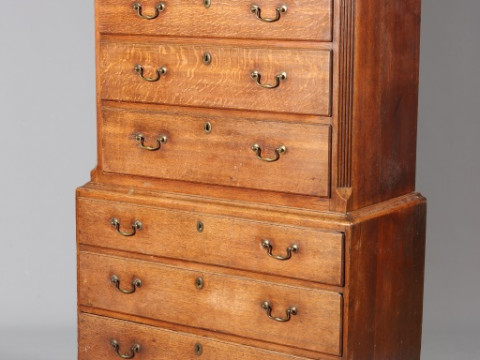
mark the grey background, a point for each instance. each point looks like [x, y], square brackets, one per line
[47, 148]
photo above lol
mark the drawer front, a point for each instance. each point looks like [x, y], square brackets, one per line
[223, 241]
[226, 83]
[96, 334]
[303, 19]
[228, 304]
[221, 155]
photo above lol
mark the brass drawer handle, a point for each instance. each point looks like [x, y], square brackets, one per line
[136, 283]
[257, 11]
[137, 225]
[160, 72]
[158, 9]
[290, 311]
[268, 246]
[141, 142]
[133, 350]
[256, 76]
[278, 151]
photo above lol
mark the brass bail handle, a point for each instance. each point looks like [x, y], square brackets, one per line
[140, 138]
[159, 73]
[257, 11]
[257, 77]
[278, 151]
[133, 350]
[136, 283]
[137, 225]
[290, 311]
[160, 7]
[292, 249]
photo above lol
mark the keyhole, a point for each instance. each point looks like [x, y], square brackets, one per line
[198, 349]
[206, 3]
[207, 127]
[199, 283]
[207, 58]
[200, 226]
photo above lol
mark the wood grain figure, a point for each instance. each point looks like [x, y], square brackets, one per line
[254, 195]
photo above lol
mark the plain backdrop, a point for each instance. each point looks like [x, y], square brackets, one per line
[47, 148]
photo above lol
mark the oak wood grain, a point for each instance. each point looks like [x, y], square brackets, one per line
[384, 291]
[234, 194]
[212, 191]
[197, 266]
[170, 294]
[225, 83]
[289, 215]
[304, 19]
[96, 332]
[352, 68]
[384, 100]
[370, 232]
[224, 241]
[223, 156]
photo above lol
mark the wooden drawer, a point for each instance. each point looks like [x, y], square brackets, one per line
[96, 334]
[303, 20]
[221, 155]
[228, 304]
[225, 83]
[223, 241]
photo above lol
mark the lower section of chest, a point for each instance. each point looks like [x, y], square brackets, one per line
[163, 278]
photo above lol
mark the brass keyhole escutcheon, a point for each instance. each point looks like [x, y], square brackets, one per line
[200, 226]
[198, 349]
[199, 283]
[207, 3]
[207, 58]
[207, 127]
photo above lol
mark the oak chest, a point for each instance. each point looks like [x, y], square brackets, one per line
[254, 196]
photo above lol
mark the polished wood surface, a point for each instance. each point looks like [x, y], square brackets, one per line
[322, 220]
[363, 170]
[257, 346]
[221, 156]
[96, 333]
[225, 303]
[343, 192]
[381, 102]
[224, 241]
[373, 241]
[304, 19]
[225, 83]
[385, 271]
[372, 156]
[201, 190]
[213, 191]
